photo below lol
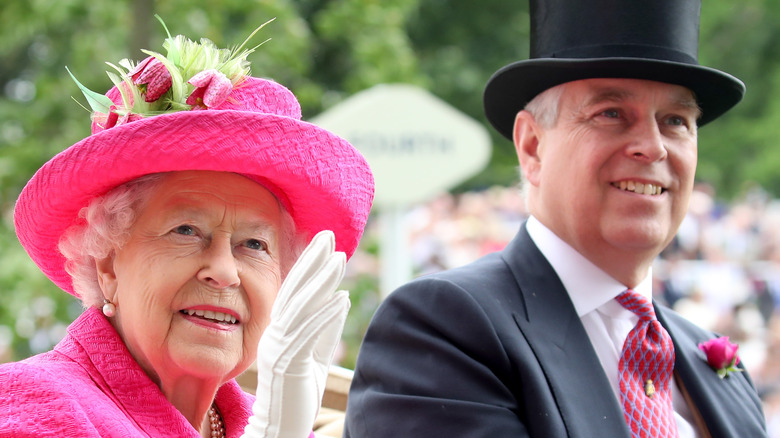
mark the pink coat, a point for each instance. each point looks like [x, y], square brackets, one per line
[90, 386]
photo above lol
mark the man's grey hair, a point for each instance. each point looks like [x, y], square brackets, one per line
[105, 225]
[545, 108]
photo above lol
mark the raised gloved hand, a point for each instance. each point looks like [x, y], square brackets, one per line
[296, 348]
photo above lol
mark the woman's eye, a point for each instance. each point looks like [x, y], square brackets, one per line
[256, 245]
[186, 230]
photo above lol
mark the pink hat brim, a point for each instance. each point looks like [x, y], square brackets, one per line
[322, 180]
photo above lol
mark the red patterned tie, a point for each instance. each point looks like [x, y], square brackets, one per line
[645, 369]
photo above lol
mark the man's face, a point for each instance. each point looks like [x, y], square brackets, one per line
[613, 176]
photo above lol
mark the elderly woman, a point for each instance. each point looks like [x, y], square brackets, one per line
[178, 224]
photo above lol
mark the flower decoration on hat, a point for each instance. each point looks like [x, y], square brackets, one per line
[721, 355]
[152, 78]
[190, 76]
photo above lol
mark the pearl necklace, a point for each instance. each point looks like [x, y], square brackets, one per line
[217, 425]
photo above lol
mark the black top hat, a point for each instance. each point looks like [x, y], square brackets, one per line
[636, 39]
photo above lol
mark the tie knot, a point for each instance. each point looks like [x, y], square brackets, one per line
[638, 304]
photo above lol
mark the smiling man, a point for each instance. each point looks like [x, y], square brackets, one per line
[557, 335]
[612, 174]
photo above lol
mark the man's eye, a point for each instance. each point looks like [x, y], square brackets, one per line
[611, 113]
[256, 245]
[676, 121]
[187, 230]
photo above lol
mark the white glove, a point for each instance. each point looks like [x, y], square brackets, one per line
[296, 348]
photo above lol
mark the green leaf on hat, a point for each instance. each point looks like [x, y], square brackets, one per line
[98, 102]
[173, 52]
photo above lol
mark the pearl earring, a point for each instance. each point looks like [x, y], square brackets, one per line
[109, 309]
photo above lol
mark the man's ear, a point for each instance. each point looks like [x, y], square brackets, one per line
[527, 137]
[107, 276]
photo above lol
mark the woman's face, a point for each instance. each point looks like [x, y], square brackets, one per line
[194, 283]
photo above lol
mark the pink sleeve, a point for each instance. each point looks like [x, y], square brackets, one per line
[31, 404]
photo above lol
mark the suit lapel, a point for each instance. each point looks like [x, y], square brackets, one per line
[730, 406]
[551, 326]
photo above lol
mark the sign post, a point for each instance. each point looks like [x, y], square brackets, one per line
[417, 146]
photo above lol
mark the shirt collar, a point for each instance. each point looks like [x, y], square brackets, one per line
[588, 286]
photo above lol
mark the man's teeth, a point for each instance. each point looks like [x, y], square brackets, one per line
[208, 314]
[638, 187]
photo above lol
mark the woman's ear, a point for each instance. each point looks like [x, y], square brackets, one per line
[106, 276]
[527, 137]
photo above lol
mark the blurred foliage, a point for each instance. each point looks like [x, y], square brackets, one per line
[739, 150]
[325, 51]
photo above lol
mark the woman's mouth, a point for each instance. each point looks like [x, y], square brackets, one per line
[218, 317]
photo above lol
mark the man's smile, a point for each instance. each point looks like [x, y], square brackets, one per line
[638, 187]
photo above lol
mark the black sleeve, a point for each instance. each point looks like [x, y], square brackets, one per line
[432, 364]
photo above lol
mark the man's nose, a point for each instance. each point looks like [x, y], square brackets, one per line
[648, 142]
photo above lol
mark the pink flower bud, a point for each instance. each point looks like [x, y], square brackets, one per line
[101, 122]
[152, 74]
[720, 352]
[211, 89]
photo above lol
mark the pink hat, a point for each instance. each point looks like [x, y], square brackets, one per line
[253, 129]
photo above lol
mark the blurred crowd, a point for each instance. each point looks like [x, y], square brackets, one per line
[722, 270]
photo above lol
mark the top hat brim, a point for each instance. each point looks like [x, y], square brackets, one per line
[512, 87]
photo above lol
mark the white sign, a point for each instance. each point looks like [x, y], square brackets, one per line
[416, 144]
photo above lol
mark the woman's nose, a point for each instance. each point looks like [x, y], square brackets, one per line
[219, 269]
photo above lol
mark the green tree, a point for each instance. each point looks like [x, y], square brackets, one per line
[324, 50]
[740, 149]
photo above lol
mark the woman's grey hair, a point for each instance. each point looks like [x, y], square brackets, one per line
[106, 224]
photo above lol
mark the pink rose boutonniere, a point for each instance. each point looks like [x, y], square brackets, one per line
[721, 355]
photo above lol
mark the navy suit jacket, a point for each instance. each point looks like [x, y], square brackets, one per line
[496, 349]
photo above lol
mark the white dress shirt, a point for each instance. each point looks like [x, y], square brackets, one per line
[593, 292]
